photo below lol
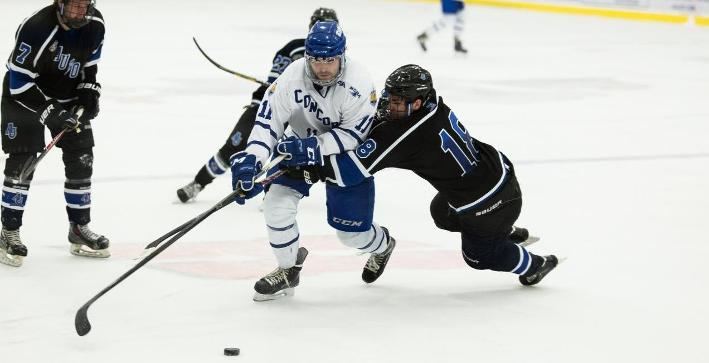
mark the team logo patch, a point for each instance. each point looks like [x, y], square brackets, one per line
[272, 88]
[11, 131]
[18, 200]
[364, 150]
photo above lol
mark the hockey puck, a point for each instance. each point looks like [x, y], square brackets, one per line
[231, 351]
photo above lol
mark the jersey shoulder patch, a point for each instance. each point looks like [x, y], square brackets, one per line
[366, 148]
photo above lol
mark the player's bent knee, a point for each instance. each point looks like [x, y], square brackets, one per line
[442, 214]
[280, 206]
[78, 164]
[15, 163]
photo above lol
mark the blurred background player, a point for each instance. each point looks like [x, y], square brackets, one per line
[453, 13]
[331, 99]
[236, 142]
[478, 194]
[51, 72]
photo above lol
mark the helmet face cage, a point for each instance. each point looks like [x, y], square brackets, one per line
[322, 14]
[73, 23]
[325, 43]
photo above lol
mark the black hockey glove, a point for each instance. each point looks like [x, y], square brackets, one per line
[88, 94]
[56, 117]
[309, 174]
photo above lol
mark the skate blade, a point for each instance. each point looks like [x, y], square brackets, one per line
[10, 260]
[529, 241]
[279, 295]
[78, 249]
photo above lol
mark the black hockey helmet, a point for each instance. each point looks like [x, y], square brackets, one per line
[410, 82]
[322, 14]
[63, 11]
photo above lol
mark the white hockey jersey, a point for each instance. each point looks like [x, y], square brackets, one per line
[339, 115]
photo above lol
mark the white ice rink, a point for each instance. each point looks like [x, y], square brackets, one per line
[605, 120]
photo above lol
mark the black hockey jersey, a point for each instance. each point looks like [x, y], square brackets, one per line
[49, 62]
[295, 49]
[436, 147]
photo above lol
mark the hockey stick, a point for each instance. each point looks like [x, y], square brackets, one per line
[152, 245]
[31, 163]
[81, 320]
[227, 69]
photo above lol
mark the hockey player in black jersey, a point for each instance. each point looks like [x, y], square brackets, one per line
[478, 194]
[51, 75]
[236, 142]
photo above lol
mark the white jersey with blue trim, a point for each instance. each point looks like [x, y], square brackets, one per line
[340, 116]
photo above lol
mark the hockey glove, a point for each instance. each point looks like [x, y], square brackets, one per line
[56, 117]
[300, 152]
[244, 168]
[88, 94]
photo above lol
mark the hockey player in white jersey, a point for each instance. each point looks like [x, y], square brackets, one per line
[330, 97]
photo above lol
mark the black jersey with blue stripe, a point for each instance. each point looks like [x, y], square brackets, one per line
[436, 146]
[48, 61]
[292, 51]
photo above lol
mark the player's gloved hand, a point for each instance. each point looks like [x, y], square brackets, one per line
[300, 152]
[88, 94]
[244, 168]
[56, 117]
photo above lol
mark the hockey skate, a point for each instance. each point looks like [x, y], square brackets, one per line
[86, 243]
[378, 261]
[281, 282]
[541, 266]
[422, 39]
[522, 237]
[12, 251]
[458, 47]
[189, 191]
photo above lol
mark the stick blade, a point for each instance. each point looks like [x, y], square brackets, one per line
[81, 321]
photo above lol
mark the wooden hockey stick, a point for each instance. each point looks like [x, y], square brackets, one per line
[225, 69]
[81, 320]
[31, 164]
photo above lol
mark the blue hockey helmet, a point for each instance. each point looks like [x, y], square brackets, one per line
[325, 42]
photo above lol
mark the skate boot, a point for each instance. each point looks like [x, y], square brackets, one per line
[281, 282]
[12, 251]
[86, 243]
[378, 261]
[458, 47]
[541, 266]
[422, 39]
[189, 191]
[521, 237]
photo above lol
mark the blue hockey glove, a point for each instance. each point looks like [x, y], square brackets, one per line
[244, 168]
[300, 152]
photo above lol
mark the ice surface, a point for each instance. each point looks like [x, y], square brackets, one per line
[605, 120]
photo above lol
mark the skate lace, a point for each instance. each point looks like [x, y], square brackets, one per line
[87, 233]
[12, 237]
[374, 262]
[276, 276]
